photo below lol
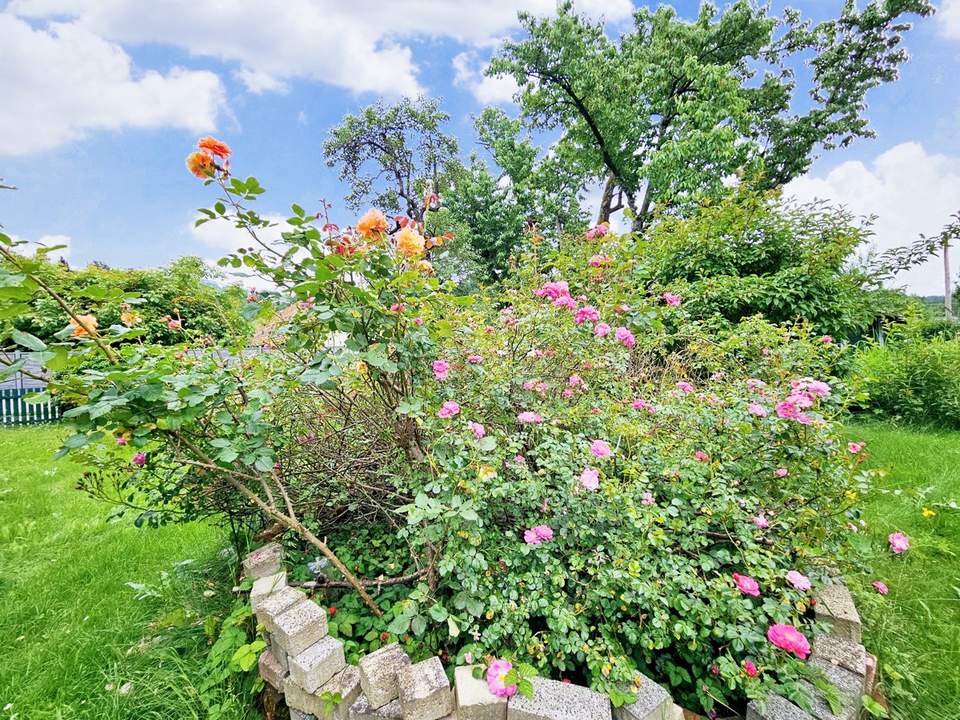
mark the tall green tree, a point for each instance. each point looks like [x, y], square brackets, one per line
[666, 112]
[392, 156]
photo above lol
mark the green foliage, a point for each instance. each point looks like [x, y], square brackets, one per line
[911, 378]
[673, 107]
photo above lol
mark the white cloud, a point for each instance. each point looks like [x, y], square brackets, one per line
[949, 18]
[910, 191]
[468, 73]
[63, 81]
[225, 237]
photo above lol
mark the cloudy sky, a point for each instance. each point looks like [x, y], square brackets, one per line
[100, 100]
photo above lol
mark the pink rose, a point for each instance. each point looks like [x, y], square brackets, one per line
[601, 329]
[787, 637]
[899, 543]
[495, 678]
[448, 410]
[701, 456]
[529, 418]
[139, 459]
[590, 478]
[781, 472]
[854, 447]
[749, 668]
[441, 368]
[798, 580]
[671, 298]
[538, 534]
[600, 449]
[684, 387]
[625, 337]
[647, 498]
[757, 409]
[474, 359]
[880, 587]
[760, 521]
[747, 585]
[586, 314]
[477, 429]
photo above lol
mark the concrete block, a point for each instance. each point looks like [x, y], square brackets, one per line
[301, 715]
[361, 710]
[299, 699]
[776, 708]
[870, 680]
[842, 653]
[425, 690]
[847, 683]
[653, 703]
[266, 560]
[346, 684]
[280, 655]
[300, 627]
[378, 674]
[317, 664]
[554, 700]
[835, 606]
[265, 587]
[474, 699]
[270, 670]
[274, 605]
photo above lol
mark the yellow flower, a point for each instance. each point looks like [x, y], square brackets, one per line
[130, 318]
[927, 512]
[410, 242]
[425, 267]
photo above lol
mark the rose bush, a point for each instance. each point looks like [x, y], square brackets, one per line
[573, 474]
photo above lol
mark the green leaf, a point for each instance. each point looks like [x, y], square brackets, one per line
[28, 341]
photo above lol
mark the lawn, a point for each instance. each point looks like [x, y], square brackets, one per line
[915, 629]
[79, 642]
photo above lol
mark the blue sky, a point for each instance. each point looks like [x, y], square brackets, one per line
[100, 100]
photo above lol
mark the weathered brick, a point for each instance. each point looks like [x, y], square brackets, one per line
[265, 587]
[270, 670]
[842, 653]
[378, 674]
[300, 627]
[652, 703]
[317, 664]
[361, 710]
[474, 699]
[835, 606]
[554, 700]
[776, 708]
[275, 605]
[266, 560]
[346, 684]
[424, 690]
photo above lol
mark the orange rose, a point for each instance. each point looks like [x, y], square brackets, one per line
[83, 325]
[215, 147]
[201, 164]
[373, 222]
[410, 242]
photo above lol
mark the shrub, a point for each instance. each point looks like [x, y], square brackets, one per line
[911, 378]
[572, 473]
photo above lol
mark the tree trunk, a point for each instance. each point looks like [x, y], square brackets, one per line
[606, 200]
[947, 280]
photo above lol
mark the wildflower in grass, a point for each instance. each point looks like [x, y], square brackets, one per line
[747, 585]
[781, 472]
[528, 417]
[928, 513]
[625, 337]
[880, 587]
[495, 678]
[121, 440]
[575, 381]
[798, 580]
[899, 543]
[854, 447]
[372, 224]
[449, 409]
[600, 449]
[826, 339]
[214, 147]
[201, 164]
[441, 369]
[787, 637]
[590, 478]
[647, 498]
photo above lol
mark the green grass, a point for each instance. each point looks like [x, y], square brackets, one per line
[77, 643]
[915, 630]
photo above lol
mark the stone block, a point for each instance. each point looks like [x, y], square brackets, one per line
[776, 708]
[281, 657]
[266, 560]
[842, 653]
[870, 680]
[835, 606]
[554, 700]
[361, 710]
[270, 670]
[275, 605]
[378, 674]
[301, 715]
[424, 690]
[299, 699]
[652, 703]
[265, 587]
[346, 684]
[300, 627]
[474, 699]
[317, 664]
[847, 683]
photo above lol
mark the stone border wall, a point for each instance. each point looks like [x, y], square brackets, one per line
[308, 667]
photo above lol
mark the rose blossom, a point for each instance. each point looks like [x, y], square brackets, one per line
[474, 359]
[477, 429]
[590, 478]
[647, 498]
[625, 336]
[441, 368]
[798, 580]
[781, 472]
[749, 668]
[495, 678]
[586, 314]
[671, 298]
[684, 387]
[538, 534]
[600, 449]
[760, 521]
[448, 409]
[899, 543]
[757, 409]
[854, 447]
[140, 459]
[529, 418]
[601, 329]
[787, 637]
[880, 587]
[747, 585]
